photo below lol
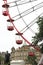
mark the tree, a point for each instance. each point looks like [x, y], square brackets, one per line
[38, 36]
[7, 58]
[1, 59]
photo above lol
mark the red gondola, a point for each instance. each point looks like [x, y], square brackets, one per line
[19, 40]
[5, 13]
[31, 54]
[10, 28]
[4, 0]
[5, 5]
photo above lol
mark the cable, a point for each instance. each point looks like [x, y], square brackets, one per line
[23, 19]
[22, 3]
[14, 1]
[20, 14]
[28, 11]
[32, 22]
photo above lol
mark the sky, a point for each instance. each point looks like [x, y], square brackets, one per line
[7, 38]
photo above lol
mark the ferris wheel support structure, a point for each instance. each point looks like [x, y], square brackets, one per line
[22, 14]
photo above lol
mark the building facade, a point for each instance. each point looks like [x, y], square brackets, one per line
[22, 53]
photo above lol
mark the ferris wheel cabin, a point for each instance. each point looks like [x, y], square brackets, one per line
[10, 28]
[5, 13]
[31, 54]
[18, 38]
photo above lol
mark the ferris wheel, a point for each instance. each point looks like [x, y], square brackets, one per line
[21, 17]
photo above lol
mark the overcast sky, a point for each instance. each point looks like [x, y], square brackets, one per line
[7, 38]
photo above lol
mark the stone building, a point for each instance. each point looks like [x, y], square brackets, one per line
[22, 53]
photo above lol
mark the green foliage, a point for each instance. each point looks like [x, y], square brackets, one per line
[38, 36]
[1, 58]
[5, 64]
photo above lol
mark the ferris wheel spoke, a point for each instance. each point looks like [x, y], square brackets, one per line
[22, 3]
[31, 23]
[28, 11]
[24, 21]
[14, 1]
[21, 16]
[32, 30]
